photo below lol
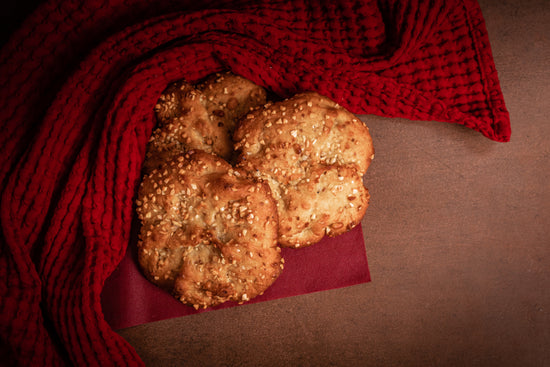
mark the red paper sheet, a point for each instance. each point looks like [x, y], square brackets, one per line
[128, 299]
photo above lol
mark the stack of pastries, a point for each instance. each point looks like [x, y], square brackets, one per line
[230, 178]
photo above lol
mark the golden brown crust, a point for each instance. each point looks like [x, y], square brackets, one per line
[313, 153]
[201, 117]
[208, 233]
[234, 94]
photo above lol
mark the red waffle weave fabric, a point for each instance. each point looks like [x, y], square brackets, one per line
[78, 84]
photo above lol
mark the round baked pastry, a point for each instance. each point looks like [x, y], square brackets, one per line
[208, 233]
[313, 153]
[201, 117]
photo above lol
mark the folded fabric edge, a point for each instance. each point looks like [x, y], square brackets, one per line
[500, 121]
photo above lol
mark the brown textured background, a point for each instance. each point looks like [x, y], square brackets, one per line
[458, 240]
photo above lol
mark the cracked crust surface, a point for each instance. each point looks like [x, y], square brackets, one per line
[313, 153]
[201, 116]
[208, 234]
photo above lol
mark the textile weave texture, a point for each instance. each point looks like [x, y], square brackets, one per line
[78, 83]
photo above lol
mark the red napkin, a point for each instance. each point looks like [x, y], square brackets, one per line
[79, 81]
[128, 299]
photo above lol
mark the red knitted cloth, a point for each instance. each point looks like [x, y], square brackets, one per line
[78, 82]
